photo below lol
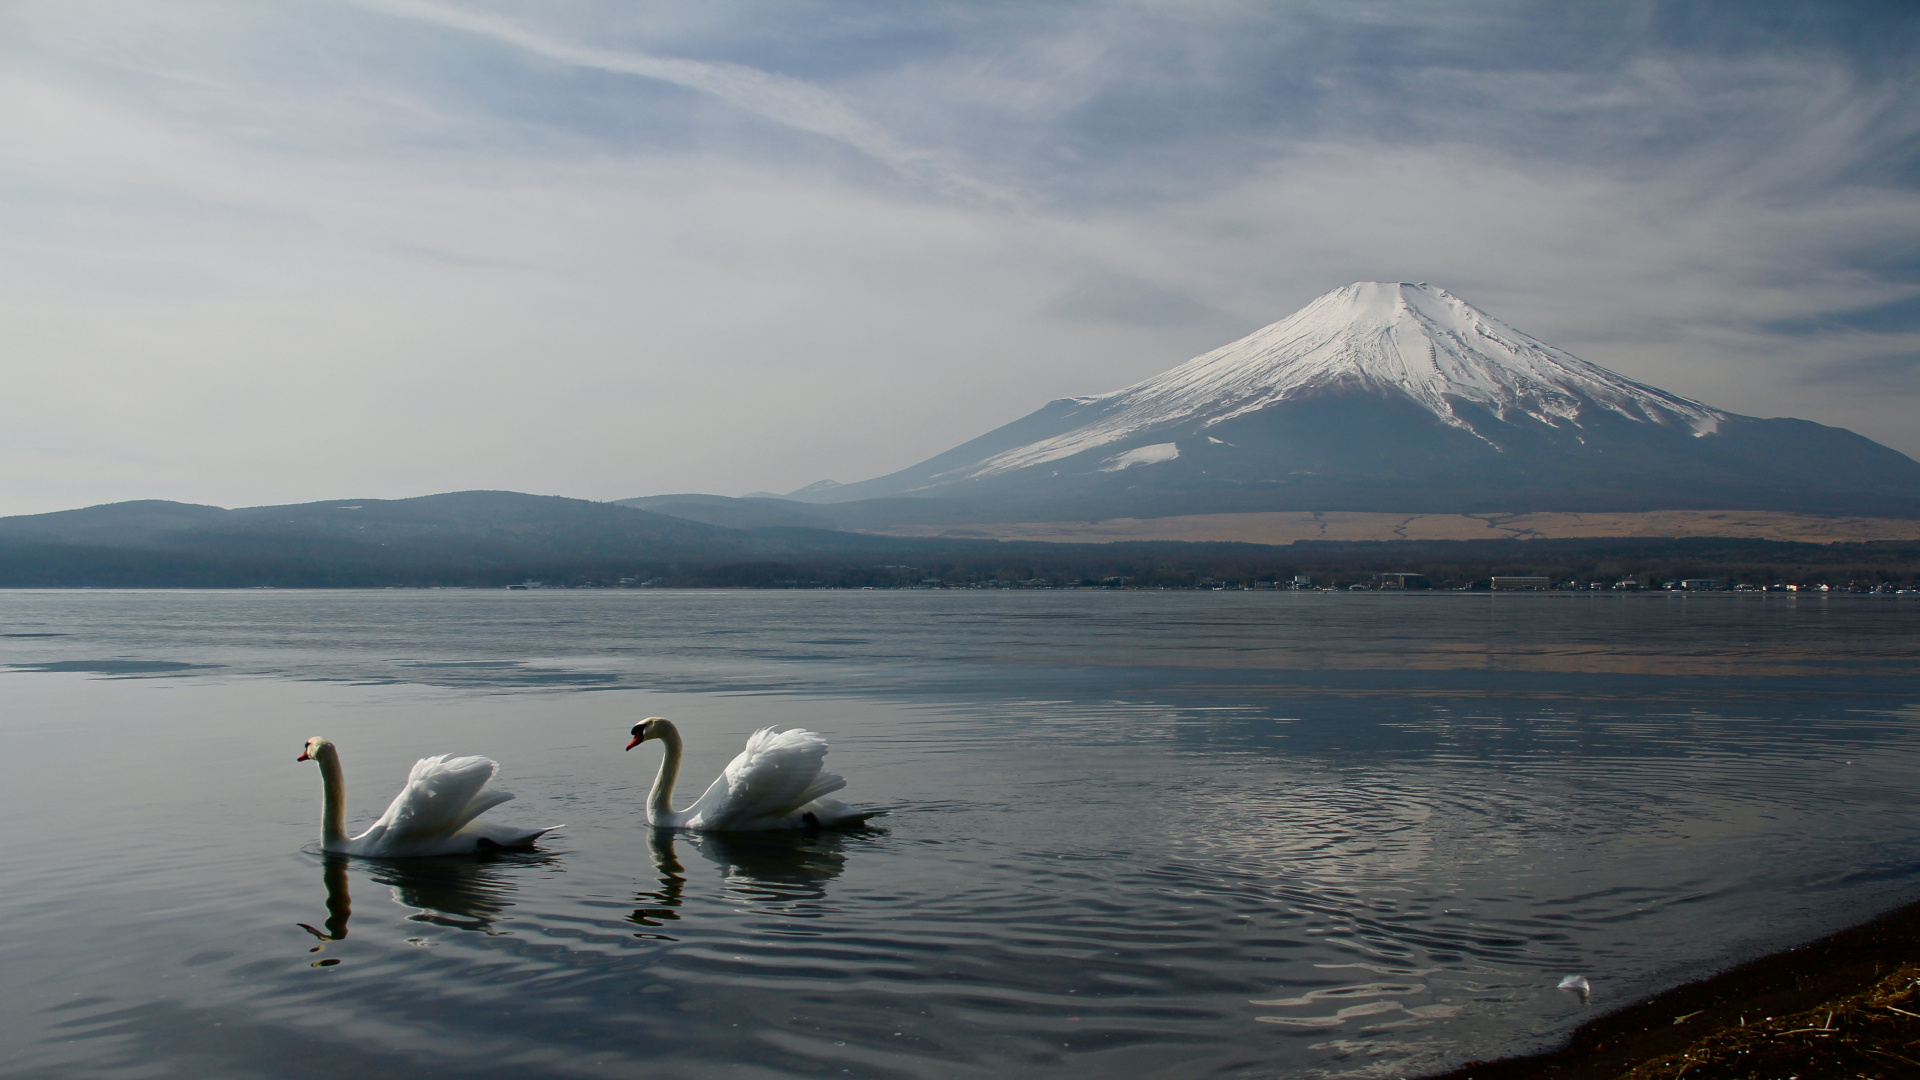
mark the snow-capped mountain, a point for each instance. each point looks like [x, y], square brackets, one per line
[1396, 396]
[1418, 341]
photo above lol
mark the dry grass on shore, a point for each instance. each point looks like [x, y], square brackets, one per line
[1874, 1034]
[1846, 1007]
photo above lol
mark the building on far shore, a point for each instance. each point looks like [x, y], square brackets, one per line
[1520, 581]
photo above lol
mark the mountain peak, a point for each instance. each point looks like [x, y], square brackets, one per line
[1399, 338]
[1432, 346]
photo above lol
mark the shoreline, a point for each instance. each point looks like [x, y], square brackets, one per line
[1282, 527]
[1845, 1005]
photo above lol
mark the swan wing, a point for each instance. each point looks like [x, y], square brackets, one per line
[443, 793]
[773, 778]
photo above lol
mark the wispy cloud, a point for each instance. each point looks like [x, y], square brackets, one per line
[1893, 316]
[795, 103]
[1888, 371]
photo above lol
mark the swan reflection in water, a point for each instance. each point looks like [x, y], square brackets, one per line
[776, 867]
[659, 906]
[463, 892]
[333, 871]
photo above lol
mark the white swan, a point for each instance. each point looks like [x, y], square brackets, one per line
[432, 815]
[776, 783]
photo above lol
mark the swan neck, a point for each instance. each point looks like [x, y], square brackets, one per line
[333, 810]
[660, 801]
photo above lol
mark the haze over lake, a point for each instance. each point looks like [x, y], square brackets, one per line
[1131, 834]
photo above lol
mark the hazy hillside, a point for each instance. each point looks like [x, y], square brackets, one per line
[454, 538]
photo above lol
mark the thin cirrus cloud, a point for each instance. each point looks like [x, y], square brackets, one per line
[779, 98]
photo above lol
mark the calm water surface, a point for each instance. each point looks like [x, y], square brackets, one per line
[1131, 835]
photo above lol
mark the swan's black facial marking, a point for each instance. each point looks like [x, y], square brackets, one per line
[639, 735]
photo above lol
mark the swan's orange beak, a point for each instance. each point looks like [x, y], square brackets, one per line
[637, 740]
[303, 756]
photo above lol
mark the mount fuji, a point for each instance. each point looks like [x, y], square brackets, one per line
[1391, 397]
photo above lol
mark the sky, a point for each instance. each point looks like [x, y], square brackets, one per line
[272, 253]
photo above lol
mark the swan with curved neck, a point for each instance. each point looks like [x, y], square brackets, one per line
[777, 782]
[433, 815]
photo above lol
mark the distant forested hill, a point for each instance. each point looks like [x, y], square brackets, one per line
[495, 538]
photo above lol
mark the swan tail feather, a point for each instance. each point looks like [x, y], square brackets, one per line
[834, 814]
[505, 836]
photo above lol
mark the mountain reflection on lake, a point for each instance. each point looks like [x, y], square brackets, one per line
[1129, 834]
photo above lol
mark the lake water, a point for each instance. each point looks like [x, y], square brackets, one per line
[1130, 834]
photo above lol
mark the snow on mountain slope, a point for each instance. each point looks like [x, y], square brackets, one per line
[1413, 340]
